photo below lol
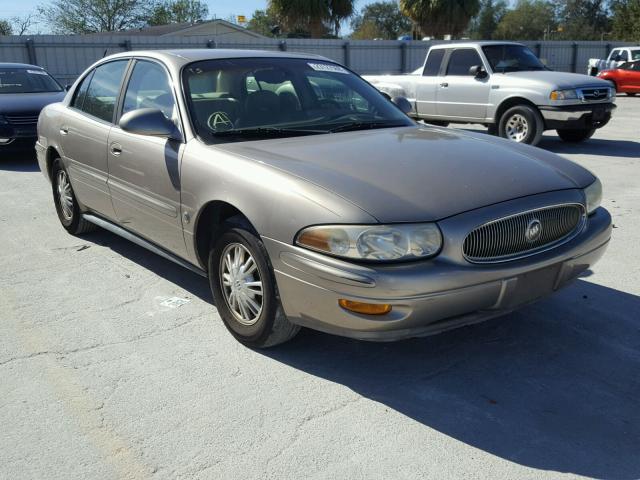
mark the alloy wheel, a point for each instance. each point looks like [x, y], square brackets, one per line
[65, 195]
[517, 128]
[241, 283]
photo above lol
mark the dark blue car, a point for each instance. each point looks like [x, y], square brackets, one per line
[24, 91]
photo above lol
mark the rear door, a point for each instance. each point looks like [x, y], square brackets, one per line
[427, 86]
[461, 95]
[84, 133]
[144, 171]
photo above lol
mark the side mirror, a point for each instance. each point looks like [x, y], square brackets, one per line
[477, 71]
[149, 121]
[403, 104]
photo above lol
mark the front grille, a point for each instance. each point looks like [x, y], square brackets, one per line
[22, 118]
[594, 94]
[523, 234]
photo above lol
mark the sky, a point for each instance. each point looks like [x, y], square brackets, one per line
[220, 8]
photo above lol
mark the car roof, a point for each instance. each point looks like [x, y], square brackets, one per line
[473, 44]
[180, 57]
[19, 65]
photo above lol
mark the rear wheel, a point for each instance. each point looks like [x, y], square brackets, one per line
[575, 136]
[66, 203]
[245, 291]
[521, 124]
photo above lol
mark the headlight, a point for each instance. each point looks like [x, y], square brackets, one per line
[593, 196]
[374, 242]
[563, 95]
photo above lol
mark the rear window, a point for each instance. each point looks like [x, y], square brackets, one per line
[27, 80]
[434, 60]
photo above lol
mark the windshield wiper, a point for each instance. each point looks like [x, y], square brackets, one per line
[365, 126]
[266, 132]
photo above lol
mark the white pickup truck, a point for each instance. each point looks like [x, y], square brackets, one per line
[504, 86]
[616, 57]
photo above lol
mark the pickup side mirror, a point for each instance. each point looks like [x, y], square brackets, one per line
[477, 71]
[403, 104]
[149, 121]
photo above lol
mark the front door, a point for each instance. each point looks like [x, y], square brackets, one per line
[427, 85]
[462, 95]
[144, 171]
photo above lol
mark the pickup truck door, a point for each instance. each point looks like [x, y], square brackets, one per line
[461, 95]
[427, 84]
[144, 171]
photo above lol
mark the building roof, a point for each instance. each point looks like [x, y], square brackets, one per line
[183, 28]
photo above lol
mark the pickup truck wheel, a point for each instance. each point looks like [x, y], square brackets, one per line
[575, 135]
[65, 201]
[522, 124]
[245, 291]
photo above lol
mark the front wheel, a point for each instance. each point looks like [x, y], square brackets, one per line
[521, 124]
[575, 135]
[245, 291]
[66, 203]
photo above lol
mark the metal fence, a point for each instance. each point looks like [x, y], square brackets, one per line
[66, 56]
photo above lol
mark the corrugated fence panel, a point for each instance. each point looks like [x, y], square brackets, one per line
[66, 56]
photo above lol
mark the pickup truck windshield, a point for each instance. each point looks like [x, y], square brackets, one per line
[511, 58]
[24, 80]
[252, 98]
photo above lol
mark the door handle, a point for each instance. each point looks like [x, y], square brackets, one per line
[64, 130]
[444, 84]
[116, 149]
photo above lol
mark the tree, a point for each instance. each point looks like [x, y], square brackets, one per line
[626, 20]
[382, 20]
[5, 28]
[529, 20]
[314, 16]
[178, 11]
[484, 25]
[264, 22]
[437, 18]
[583, 19]
[93, 16]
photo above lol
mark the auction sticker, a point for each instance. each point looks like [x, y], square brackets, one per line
[328, 67]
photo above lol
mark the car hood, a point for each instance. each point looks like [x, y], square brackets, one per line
[558, 79]
[28, 102]
[413, 174]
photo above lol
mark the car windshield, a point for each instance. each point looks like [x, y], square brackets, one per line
[27, 80]
[232, 99]
[511, 58]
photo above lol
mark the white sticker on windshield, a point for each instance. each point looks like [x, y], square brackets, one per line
[37, 72]
[328, 67]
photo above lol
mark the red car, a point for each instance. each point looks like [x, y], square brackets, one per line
[626, 78]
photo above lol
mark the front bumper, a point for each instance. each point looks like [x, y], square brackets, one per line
[577, 117]
[427, 297]
[17, 137]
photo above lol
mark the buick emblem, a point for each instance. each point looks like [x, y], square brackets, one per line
[533, 231]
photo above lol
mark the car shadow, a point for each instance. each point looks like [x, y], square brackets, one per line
[192, 282]
[593, 146]
[20, 162]
[554, 386]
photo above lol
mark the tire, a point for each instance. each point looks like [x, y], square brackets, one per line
[575, 136]
[492, 129]
[521, 124]
[254, 324]
[66, 203]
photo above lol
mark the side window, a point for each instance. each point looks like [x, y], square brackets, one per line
[624, 56]
[434, 60]
[461, 60]
[100, 99]
[81, 92]
[149, 87]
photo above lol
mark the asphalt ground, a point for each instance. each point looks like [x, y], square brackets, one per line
[115, 364]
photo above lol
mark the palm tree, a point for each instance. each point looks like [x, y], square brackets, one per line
[437, 18]
[312, 15]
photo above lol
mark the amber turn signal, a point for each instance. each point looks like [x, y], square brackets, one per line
[365, 308]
